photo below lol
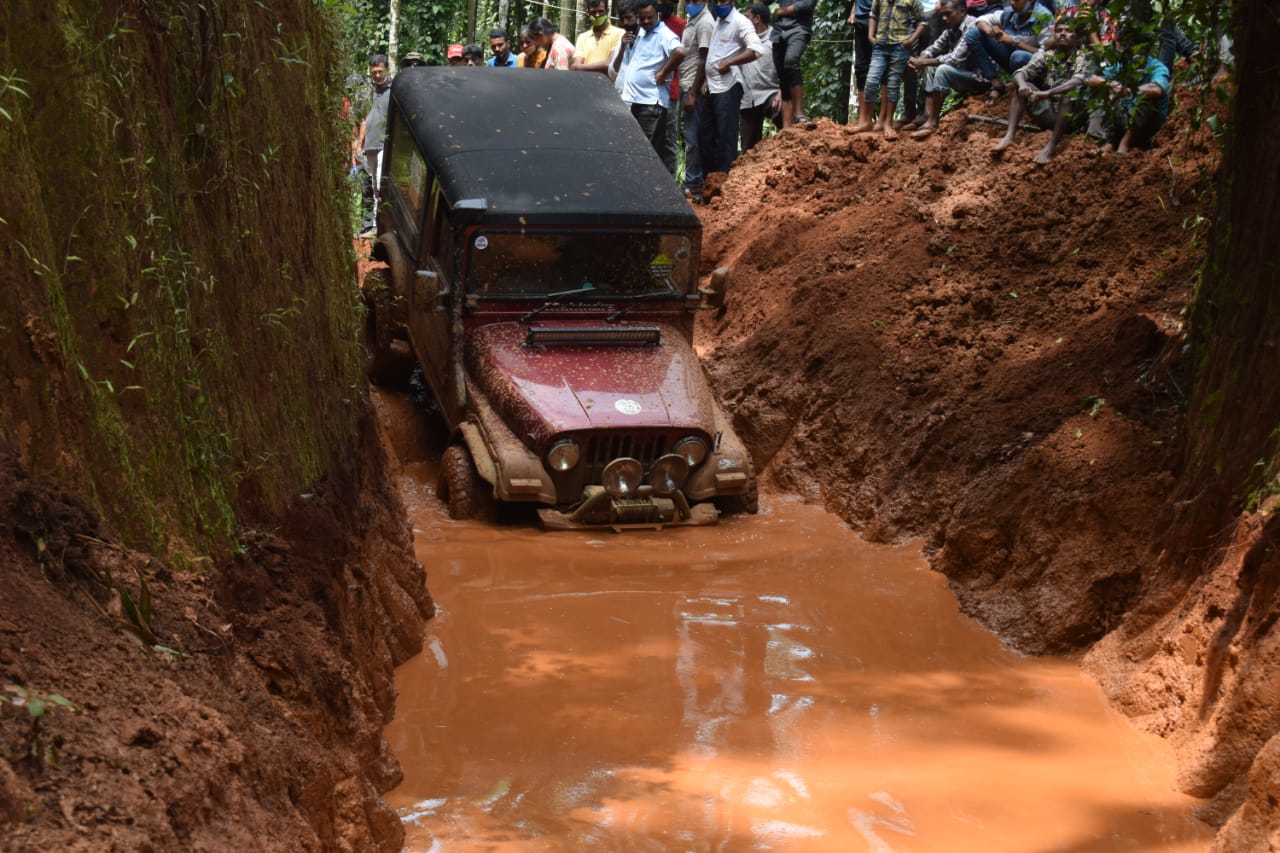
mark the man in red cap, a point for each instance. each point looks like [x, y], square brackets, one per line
[455, 55]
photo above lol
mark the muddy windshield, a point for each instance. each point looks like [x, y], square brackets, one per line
[603, 265]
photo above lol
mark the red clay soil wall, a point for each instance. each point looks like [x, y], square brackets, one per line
[205, 576]
[993, 356]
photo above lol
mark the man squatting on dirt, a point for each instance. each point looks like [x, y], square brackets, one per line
[1066, 61]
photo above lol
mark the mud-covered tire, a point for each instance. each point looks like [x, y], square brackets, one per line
[747, 503]
[462, 489]
[386, 361]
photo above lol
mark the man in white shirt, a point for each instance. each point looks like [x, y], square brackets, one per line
[762, 87]
[733, 42]
[644, 61]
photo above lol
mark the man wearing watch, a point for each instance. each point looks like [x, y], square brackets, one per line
[1006, 39]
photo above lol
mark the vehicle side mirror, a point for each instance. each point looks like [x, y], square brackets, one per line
[716, 288]
[428, 289]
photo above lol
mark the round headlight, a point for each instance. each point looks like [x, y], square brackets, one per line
[563, 455]
[692, 449]
[622, 476]
[668, 474]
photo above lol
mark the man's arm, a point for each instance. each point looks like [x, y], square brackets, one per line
[910, 41]
[699, 80]
[740, 58]
[673, 62]
[799, 7]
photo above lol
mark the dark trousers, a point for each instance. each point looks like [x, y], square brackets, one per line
[751, 124]
[861, 53]
[1145, 121]
[652, 119]
[788, 49]
[718, 129]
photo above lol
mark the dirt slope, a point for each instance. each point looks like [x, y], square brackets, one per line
[991, 355]
[256, 721]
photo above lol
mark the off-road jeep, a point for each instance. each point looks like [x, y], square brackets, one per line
[541, 267]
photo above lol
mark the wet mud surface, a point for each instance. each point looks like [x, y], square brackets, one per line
[770, 683]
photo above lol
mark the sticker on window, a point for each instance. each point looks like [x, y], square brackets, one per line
[660, 268]
[482, 242]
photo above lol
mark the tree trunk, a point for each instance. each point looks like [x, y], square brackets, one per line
[1234, 420]
[393, 39]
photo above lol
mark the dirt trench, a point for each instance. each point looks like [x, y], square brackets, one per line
[993, 356]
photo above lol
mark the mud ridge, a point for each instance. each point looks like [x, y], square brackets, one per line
[991, 355]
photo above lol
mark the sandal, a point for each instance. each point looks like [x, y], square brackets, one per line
[996, 93]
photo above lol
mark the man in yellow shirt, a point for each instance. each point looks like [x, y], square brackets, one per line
[594, 46]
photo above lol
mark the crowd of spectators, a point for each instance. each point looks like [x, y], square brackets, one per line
[1063, 66]
[703, 87]
[700, 88]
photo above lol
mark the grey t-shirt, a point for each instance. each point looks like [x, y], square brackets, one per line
[697, 34]
[375, 123]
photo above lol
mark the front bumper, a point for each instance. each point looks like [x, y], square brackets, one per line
[643, 510]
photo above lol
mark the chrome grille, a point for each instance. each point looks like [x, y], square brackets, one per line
[603, 449]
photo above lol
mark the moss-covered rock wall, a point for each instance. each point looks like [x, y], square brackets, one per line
[177, 298]
[200, 546]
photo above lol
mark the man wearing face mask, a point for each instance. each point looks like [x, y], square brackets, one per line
[594, 46]
[734, 42]
[644, 61]
[696, 40]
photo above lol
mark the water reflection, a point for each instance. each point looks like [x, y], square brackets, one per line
[769, 684]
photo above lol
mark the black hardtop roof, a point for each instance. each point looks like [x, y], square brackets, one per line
[538, 147]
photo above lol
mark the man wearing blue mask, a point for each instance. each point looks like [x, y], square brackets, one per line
[696, 41]
[734, 42]
[644, 61]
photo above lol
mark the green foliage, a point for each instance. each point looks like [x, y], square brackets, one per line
[9, 83]
[37, 702]
[34, 750]
[828, 62]
[427, 26]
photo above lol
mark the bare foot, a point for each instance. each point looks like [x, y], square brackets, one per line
[863, 127]
[1123, 149]
[1004, 143]
[926, 130]
[1045, 155]
[890, 133]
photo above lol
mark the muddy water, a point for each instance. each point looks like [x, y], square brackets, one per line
[769, 684]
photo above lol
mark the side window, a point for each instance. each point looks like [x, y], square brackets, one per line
[440, 232]
[408, 171]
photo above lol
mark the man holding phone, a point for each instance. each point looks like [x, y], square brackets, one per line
[647, 55]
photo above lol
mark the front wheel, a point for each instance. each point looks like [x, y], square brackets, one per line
[463, 490]
[746, 503]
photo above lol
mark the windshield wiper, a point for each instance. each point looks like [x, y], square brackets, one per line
[553, 298]
[651, 296]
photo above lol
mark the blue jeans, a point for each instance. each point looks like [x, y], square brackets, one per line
[941, 78]
[718, 129]
[890, 58]
[693, 176]
[990, 55]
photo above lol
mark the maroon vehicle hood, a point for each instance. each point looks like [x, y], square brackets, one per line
[545, 390]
